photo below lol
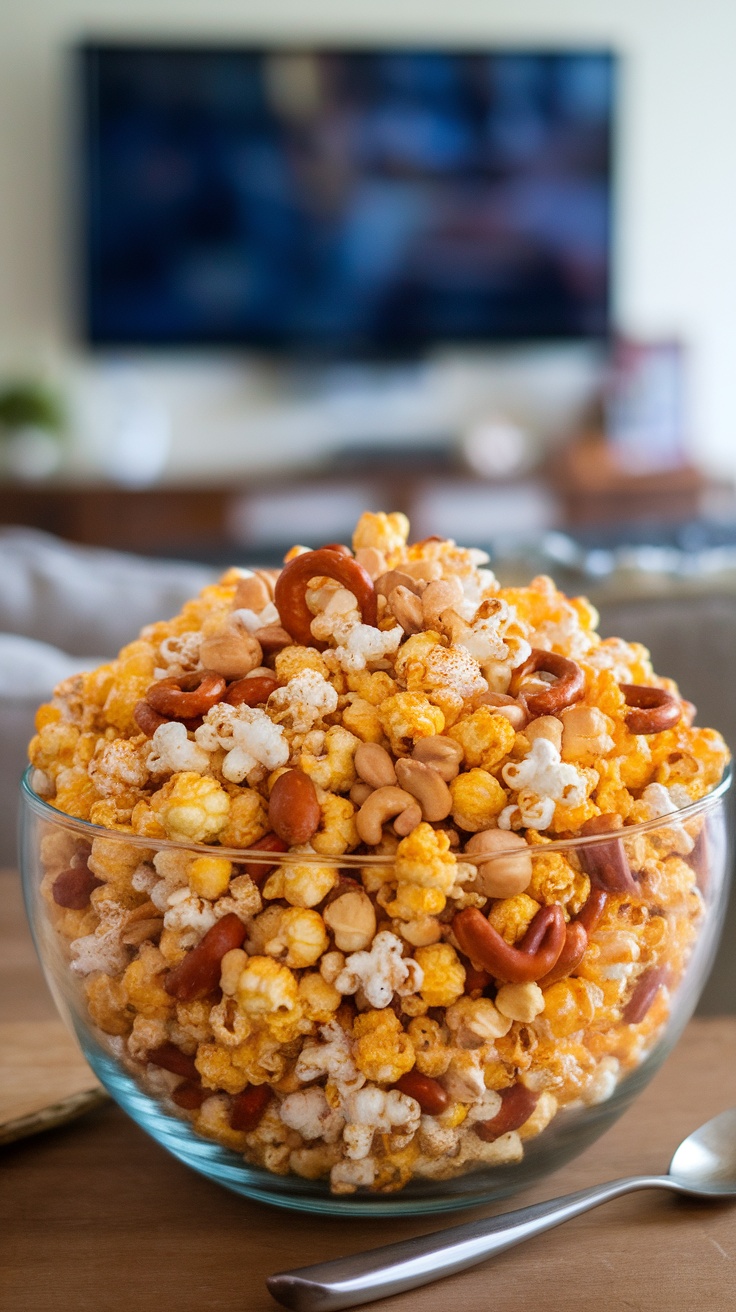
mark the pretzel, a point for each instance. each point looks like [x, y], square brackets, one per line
[253, 690]
[188, 696]
[568, 687]
[531, 959]
[577, 934]
[654, 709]
[290, 590]
[606, 864]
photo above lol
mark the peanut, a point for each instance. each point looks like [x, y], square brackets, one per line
[443, 754]
[427, 785]
[502, 704]
[406, 609]
[72, 888]
[248, 1107]
[504, 862]
[352, 919]
[545, 726]
[293, 810]
[374, 765]
[199, 973]
[251, 594]
[517, 1105]
[430, 1095]
[233, 651]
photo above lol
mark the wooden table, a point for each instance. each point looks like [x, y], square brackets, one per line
[95, 1217]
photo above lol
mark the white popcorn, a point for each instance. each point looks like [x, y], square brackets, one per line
[179, 655]
[371, 1109]
[565, 634]
[309, 1112]
[485, 1110]
[436, 1139]
[252, 620]
[660, 800]
[99, 951]
[356, 644]
[503, 1151]
[304, 701]
[542, 779]
[190, 914]
[346, 1177]
[253, 743]
[463, 1079]
[603, 1082]
[332, 1058]
[380, 972]
[172, 750]
[144, 878]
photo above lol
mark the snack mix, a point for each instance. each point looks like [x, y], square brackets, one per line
[405, 983]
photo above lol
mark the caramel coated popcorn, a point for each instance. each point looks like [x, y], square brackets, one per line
[347, 942]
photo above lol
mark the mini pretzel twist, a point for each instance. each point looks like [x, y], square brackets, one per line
[186, 697]
[606, 864]
[654, 709]
[521, 963]
[568, 687]
[577, 935]
[293, 581]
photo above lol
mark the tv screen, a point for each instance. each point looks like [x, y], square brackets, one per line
[360, 202]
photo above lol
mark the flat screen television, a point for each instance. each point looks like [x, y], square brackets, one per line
[360, 202]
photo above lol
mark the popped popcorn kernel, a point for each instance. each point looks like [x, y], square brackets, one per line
[209, 876]
[266, 987]
[408, 716]
[387, 533]
[486, 739]
[424, 858]
[383, 1052]
[512, 916]
[192, 808]
[477, 800]
[444, 974]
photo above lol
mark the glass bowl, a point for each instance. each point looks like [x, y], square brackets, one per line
[649, 898]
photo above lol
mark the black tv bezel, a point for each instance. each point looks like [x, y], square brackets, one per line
[85, 52]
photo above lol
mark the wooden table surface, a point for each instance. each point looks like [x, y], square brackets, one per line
[95, 1217]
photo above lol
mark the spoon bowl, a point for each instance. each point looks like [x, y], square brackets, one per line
[705, 1163]
[704, 1166]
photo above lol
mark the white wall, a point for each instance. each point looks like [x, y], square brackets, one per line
[677, 214]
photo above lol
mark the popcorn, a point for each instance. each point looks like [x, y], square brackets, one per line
[252, 742]
[351, 977]
[305, 700]
[381, 972]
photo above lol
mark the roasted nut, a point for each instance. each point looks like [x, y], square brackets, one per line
[248, 1107]
[260, 870]
[72, 888]
[187, 697]
[568, 686]
[251, 594]
[294, 579]
[504, 862]
[545, 726]
[406, 609]
[438, 596]
[408, 820]
[232, 652]
[385, 584]
[381, 806]
[141, 931]
[352, 919]
[253, 690]
[272, 637]
[645, 991]
[432, 1098]
[443, 754]
[517, 1105]
[374, 765]
[359, 793]
[190, 1095]
[526, 961]
[372, 560]
[171, 1058]
[427, 785]
[516, 714]
[293, 810]
[654, 709]
[606, 864]
[199, 973]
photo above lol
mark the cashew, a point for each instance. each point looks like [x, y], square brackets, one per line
[372, 560]
[545, 726]
[232, 652]
[502, 704]
[381, 806]
[406, 607]
[427, 785]
[374, 765]
[408, 820]
[352, 919]
[396, 578]
[443, 754]
[505, 874]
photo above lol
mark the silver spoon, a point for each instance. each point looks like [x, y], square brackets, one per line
[704, 1166]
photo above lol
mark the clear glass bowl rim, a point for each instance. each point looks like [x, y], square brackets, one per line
[354, 861]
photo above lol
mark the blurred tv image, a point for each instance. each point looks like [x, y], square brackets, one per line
[370, 202]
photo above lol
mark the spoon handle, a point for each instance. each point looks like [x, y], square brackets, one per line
[397, 1267]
